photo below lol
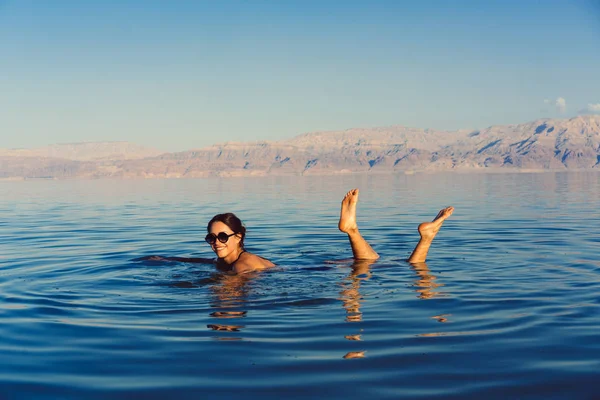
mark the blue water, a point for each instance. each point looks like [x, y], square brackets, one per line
[507, 306]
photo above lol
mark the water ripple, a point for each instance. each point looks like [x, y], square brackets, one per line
[506, 306]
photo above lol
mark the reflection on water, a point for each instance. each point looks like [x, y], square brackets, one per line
[226, 328]
[441, 318]
[350, 293]
[228, 314]
[426, 283]
[353, 337]
[355, 354]
[227, 292]
[466, 333]
[351, 299]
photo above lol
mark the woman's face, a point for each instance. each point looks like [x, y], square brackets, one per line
[222, 250]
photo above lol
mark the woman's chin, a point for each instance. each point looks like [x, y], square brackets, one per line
[222, 253]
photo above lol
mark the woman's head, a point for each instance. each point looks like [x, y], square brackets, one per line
[226, 234]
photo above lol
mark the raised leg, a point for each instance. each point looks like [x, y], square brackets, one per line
[428, 230]
[361, 250]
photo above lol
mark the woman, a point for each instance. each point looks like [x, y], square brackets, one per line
[226, 235]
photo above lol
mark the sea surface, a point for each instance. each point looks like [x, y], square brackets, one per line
[507, 305]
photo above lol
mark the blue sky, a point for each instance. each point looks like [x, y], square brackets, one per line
[179, 75]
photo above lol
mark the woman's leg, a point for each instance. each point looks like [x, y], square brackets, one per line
[361, 250]
[428, 230]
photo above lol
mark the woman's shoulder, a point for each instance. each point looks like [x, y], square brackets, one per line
[251, 257]
[250, 262]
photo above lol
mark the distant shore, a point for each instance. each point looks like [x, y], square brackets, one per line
[545, 145]
[323, 174]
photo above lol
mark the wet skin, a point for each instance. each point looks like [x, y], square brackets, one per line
[361, 250]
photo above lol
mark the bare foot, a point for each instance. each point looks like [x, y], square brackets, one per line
[348, 213]
[428, 230]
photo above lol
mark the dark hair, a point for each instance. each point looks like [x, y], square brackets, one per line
[232, 221]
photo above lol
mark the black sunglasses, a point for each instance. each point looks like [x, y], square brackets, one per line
[211, 238]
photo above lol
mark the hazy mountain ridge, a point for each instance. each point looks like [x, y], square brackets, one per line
[545, 144]
[88, 151]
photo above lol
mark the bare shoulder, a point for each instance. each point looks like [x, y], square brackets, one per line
[251, 262]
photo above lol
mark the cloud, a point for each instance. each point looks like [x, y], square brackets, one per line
[561, 104]
[591, 109]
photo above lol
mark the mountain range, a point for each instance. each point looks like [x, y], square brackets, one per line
[544, 144]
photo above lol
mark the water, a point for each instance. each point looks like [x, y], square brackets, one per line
[506, 307]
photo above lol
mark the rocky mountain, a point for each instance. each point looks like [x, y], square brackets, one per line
[545, 144]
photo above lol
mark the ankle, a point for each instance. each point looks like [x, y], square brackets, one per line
[351, 232]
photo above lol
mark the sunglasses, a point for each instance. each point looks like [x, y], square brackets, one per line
[211, 238]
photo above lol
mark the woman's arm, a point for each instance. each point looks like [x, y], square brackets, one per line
[196, 260]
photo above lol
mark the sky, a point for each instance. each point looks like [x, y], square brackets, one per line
[179, 75]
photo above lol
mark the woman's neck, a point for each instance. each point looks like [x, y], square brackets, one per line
[233, 256]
